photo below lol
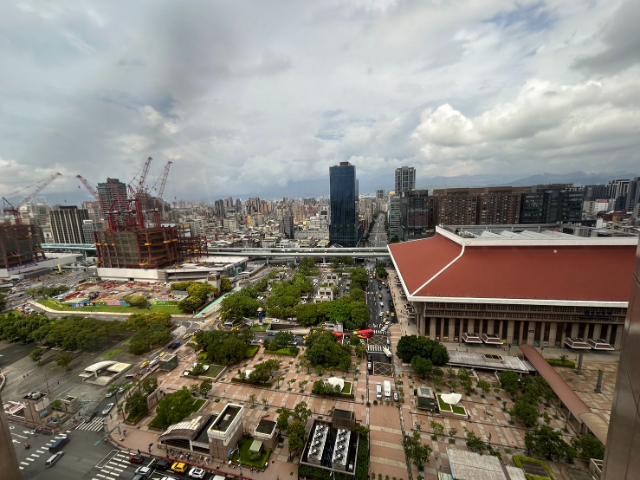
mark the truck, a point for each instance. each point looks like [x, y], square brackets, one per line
[387, 352]
[387, 389]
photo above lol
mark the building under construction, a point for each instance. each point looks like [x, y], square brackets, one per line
[20, 246]
[159, 247]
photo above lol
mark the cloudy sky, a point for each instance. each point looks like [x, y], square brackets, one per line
[243, 96]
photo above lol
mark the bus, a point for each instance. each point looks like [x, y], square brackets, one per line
[364, 333]
[338, 335]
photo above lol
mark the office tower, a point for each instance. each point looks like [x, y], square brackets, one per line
[621, 460]
[405, 179]
[395, 218]
[552, 204]
[113, 190]
[343, 189]
[89, 227]
[286, 225]
[67, 224]
[414, 210]
[379, 194]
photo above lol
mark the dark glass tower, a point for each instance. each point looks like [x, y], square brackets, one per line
[343, 190]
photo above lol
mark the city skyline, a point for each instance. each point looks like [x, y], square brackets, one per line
[486, 88]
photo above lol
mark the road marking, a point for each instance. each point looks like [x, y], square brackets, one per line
[24, 463]
[31, 459]
[100, 475]
[35, 455]
[15, 441]
[16, 435]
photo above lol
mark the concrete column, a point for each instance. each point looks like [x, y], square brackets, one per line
[432, 328]
[490, 325]
[574, 329]
[543, 326]
[552, 334]
[510, 328]
[563, 335]
[618, 340]
[596, 331]
[452, 329]
[531, 336]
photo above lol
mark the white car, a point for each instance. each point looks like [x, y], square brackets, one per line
[144, 471]
[108, 408]
[196, 473]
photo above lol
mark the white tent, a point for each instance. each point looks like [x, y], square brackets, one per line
[333, 381]
[451, 398]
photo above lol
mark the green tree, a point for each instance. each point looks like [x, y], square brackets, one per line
[149, 385]
[510, 382]
[546, 442]
[174, 407]
[439, 355]
[225, 285]
[282, 421]
[474, 443]
[465, 380]
[190, 304]
[64, 359]
[436, 428]
[484, 386]
[589, 446]
[36, 355]
[205, 387]
[283, 339]
[136, 405]
[297, 436]
[361, 350]
[416, 451]
[525, 411]
[137, 301]
[323, 350]
[422, 366]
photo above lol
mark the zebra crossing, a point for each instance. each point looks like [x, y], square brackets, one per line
[96, 425]
[41, 452]
[117, 465]
[374, 348]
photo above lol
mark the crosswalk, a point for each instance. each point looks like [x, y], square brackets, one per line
[42, 452]
[96, 425]
[374, 348]
[116, 466]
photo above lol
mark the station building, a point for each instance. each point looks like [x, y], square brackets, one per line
[541, 288]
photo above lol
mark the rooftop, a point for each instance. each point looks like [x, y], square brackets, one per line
[266, 427]
[226, 417]
[473, 466]
[479, 360]
[554, 269]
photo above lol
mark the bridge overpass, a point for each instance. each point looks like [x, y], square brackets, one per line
[371, 252]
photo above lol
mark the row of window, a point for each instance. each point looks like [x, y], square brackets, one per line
[531, 308]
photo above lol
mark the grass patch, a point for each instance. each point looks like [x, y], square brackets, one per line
[517, 461]
[561, 363]
[239, 380]
[62, 307]
[260, 328]
[197, 404]
[111, 353]
[285, 351]
[251, 351]
[347, 388]
[249, 459]
[446, 407]
[127, 342]
[213, 371]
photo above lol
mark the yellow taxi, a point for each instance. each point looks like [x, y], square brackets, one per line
[145, 364]
[162, 354]
[387, 313]
[179, 467]
[187, 335]
[385, 320]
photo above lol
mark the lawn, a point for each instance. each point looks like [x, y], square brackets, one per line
[284, 351]
[194, 408]
[251, 351]
[213, 371]
[521, 462]
[347, 387]
[52, 304]
[446, 407]
[245, 444]
[111, 353]
[260, 328]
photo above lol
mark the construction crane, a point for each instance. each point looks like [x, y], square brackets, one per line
[157, 216]
[7, 207]
[108, 211]
[130, 222]
[136, 194]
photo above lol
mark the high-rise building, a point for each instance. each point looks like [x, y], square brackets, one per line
[621, 460]
[343, 188]
[67, 224]
[395, 218]
[286, 225]
[113, 190]
[552, 204]
[89, 227]
[405, 179]
[414, 214]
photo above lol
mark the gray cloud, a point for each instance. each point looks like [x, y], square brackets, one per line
[246, 96]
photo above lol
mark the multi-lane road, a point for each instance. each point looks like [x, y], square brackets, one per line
[378, 235]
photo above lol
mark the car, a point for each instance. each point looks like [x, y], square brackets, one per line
[121, 390]
[196, 473]
[91, 417]
[381, 304]
[144, 364]
[387, 313]
[144, 471]
[179, 467]
[162, 354]
[161, 464]
[187, 335]
[108, 408]
[395, 396]
[381, 314]
[369, 365]
[170, 478]
[136, 459]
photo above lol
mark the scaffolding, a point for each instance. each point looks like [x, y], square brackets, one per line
[20, 246]
[147, 248]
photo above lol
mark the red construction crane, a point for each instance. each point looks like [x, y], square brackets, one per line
[130, 222]
[15, 211]
[157, 216]
[109, 213]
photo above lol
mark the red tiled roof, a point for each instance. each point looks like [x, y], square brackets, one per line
[597, 273]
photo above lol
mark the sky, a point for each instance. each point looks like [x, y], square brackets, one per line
[245, 96]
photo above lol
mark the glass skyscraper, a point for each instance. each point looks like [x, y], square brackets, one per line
[343, 189]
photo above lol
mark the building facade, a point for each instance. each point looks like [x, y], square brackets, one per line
[343, 187]
[621, 460]
[67, 224]
[526, 290]
[551, 204]
[405, 179]
[113, 190]
[414, 214]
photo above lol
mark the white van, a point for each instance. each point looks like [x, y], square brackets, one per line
[53, 459]
[378, 390]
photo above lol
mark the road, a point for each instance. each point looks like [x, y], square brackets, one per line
[378, 235]
[378, 308]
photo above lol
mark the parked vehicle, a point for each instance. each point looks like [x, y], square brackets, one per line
[378, 390]
[108, 408]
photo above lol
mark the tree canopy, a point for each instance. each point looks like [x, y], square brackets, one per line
[174, 407]
[151, 331]
[547, 442]
[324, 350]
[224, 348]
[411, 346]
